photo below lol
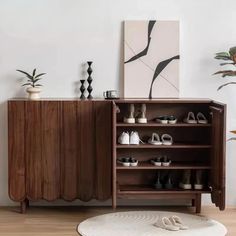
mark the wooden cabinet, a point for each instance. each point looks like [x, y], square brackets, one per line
[195, 147]
[59, 149]
[67, 149]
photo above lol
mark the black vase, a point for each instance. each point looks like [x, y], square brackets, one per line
[90, 80]
[82, 89]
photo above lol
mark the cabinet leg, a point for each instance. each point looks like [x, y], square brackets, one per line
[114, 202]
[23, 206]
[193, 202]
[198, 203]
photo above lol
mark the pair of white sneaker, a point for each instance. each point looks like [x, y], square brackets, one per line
[173, 223]
[132, 138]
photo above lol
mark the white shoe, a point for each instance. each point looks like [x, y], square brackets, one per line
[134, 138]
[190, 118]
[166, 139]
[124, 138]
[165, 223]
[177, 221]
[155, 139]
[201, 119]
[185, 186]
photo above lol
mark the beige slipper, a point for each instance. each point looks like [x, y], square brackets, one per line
[176, 221]
[165, 223]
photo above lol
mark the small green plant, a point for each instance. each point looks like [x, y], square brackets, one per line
[32, 80]
[230, 58]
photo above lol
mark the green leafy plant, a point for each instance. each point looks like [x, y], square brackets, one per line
[32, 79]
[230, 58]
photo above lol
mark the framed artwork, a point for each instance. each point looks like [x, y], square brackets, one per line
[151, 54]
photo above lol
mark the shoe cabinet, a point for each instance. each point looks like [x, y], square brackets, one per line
[59, 149]
[67, 149]
[199, 148]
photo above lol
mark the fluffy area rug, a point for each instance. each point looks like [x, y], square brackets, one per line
[141, 223]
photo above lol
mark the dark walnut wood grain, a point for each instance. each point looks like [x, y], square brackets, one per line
[16, 150]
[33, 150]
[69, 150]
[50, 118]
[59, 149]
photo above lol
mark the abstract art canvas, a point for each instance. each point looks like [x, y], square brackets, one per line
[151, 54]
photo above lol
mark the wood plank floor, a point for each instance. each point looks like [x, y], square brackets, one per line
[58, 221]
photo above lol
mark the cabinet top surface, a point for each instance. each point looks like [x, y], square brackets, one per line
[125, 100]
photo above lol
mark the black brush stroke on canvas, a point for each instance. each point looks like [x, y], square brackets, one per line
[160, 67]
[145, 51]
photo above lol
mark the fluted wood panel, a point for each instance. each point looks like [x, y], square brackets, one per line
[86, 158]
[61, 149]
[103, 149]
[33, 150]
[69, 150]
[51, 149]
[16, 160]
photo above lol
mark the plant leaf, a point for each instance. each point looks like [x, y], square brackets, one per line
[38, 85]
[227, 63]
[25, 73]
[39, 75]
[160, 67]
[232, 51]
[228, 58]
[223, 54]
[35, 80]
[226, 73]
[34, 71]
[232, 139]
[223, 85]
[26, 84]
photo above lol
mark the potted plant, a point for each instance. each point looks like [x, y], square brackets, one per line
[230, 59]
[33, 88]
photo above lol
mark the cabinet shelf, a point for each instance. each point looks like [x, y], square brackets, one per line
[155, 124]
[149, 146]
[148, 189]
[173, 166]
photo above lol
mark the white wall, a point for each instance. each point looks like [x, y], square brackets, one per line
[57, 36]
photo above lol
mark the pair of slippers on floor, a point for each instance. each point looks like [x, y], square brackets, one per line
[173, 223]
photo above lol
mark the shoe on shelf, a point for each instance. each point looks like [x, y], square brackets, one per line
[124, 138]
[165, 161]
[130, 118]
[177, 221]
[190, 118]
[133, 162]
[169, 182]
[142, 119]
[125, 161]
[198, 184]
[172, 120]
[155, 139]
[166, 119]
[162, 119]
[166, 139]
[134, 138]
[156, 161]
[186, 180]
[201, 119]
[165, 223]
[158, 184]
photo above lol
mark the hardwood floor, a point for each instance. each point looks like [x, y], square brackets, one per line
[58, 221]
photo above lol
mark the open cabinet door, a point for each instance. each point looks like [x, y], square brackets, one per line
[217, 177]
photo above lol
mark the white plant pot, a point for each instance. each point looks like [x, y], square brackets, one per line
[33, 93]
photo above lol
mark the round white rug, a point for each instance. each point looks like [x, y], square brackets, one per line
[140, 223]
